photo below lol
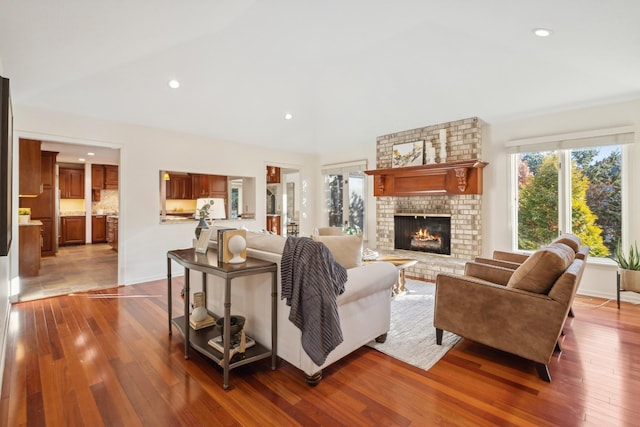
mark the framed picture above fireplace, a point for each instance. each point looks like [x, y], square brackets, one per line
[407, 154]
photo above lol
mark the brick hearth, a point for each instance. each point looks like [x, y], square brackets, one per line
[464, 141]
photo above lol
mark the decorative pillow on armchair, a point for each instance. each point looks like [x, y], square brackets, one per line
[541, 270]
[347, 249]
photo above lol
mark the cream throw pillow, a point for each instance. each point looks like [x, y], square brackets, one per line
[347, 250]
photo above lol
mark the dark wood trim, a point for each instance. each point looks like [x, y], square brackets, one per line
[460, 177]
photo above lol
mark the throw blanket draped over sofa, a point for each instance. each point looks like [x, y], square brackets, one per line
[311, 282]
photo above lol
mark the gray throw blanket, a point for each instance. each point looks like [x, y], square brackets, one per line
[311, 283]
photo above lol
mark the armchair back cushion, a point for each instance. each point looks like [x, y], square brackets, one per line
[540, 271]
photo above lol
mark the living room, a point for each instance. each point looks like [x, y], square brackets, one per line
[146, 149]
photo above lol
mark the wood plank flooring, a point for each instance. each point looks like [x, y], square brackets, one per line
[79, 360]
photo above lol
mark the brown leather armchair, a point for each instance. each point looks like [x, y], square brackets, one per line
[521, 311]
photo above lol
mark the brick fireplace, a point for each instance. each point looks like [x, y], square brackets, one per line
[464, 211]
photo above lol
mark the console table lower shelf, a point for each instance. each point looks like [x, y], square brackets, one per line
[199, 340]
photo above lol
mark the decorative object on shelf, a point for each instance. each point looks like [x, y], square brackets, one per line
[203, 240]
[443, 145]
[407, 154]
[209, 209]
[199, 312]
[207, 322]
[628, 267]
[429, 153]
[237, 245]
[236, 324]
[24, 215]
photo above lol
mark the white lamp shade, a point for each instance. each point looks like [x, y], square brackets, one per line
[217, 211]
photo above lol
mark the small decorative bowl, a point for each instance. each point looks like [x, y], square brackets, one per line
[236, 322]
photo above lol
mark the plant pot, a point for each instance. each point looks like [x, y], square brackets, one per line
[24, 219]
[629, 280]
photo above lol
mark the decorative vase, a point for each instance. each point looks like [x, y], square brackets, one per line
[630, 280]
[201, 226]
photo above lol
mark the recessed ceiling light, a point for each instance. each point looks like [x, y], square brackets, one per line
[288, 116]
[81, 159]
[174, 84]
[91, 154]
[542, 32]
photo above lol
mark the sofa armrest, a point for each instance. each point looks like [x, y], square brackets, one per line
[510, 256]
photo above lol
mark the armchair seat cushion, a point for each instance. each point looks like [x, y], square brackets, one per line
[540, 271]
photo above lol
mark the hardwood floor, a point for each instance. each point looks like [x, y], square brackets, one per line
[78, 268]
[105, 358]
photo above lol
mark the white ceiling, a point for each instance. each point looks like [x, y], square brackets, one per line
[348, 70]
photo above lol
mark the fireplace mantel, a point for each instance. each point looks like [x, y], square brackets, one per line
[460, 177]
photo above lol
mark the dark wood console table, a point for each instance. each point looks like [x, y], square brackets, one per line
[198, 339]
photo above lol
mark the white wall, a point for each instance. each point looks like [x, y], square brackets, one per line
[144, 151]
[599, 278]
[6, 266]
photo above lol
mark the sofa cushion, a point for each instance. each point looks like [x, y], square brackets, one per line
[347, 250]
[570, 240]
[540, 271]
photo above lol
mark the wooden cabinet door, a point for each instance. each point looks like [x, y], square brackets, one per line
[98, 229]
[73, 230]
[48, 237]
[200, 186]
[97, 177]
[179, 187]
[71, 183]
[273, 224]
[273, 175]
[30, 178]
[110, 177]
[218, 186]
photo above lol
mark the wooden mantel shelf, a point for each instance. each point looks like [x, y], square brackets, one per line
[460, 177]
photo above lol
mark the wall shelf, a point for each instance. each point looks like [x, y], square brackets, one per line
[459, 177]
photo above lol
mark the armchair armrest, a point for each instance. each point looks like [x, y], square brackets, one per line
[489, 273]
[498, 263]
[510, 256]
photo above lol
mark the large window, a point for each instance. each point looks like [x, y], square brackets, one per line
[345, 189]
[574, 190]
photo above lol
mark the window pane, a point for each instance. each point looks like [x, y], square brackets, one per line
[537, 199]
[356, 200]
[596, 210]
[334, 199]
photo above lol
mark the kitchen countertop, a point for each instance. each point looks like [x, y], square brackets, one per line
[32, 222]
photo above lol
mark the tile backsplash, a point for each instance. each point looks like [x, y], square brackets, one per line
[108, 201]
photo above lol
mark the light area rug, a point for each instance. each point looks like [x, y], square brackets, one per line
[412, 337]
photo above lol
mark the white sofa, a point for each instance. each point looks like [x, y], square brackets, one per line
[364, 308]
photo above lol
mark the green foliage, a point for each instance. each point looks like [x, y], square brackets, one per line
[24, 211]
[538, 208]
[630, 261]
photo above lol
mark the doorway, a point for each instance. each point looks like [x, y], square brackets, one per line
[78, 257]
[283, 200]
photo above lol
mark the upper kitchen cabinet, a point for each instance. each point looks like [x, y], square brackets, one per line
[97, 177]
[209, 186]
[110, 177]
[179, 187]
[71, 183]
[273, 175]
[104, 177]
[30, 168]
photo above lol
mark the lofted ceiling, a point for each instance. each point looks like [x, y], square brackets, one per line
[347, 70]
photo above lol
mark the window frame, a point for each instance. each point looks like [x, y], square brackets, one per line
[344, 169]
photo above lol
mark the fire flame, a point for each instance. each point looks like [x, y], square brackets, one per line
[424, 235]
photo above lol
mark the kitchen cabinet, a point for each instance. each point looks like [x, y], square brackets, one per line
[30, 240]
[205, 186]
[110, 177]
[98, 229]
[72, 230]
[179, 187]
[112, 232]
[273, 175]
[30, 178]
[71, 183]
[43, 206]
[97, 177]
[273, 224]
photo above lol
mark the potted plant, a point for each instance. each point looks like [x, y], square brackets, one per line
[628, 267]
[24, 215]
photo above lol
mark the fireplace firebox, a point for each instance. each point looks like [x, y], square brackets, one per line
[423, 233]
